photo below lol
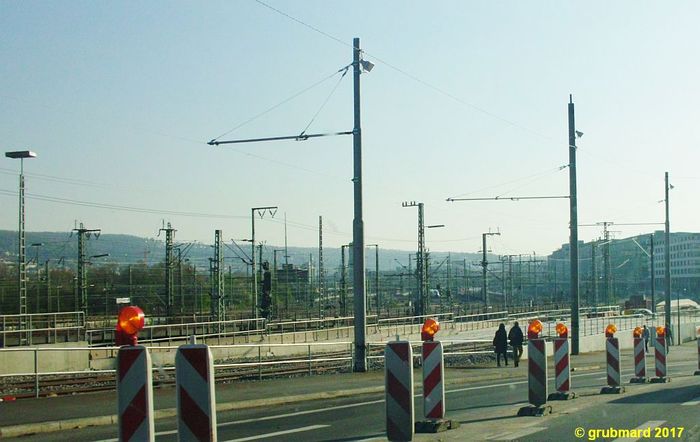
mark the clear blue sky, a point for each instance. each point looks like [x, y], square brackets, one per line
[119, 99]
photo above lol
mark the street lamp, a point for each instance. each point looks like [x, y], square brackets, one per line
[21, 270]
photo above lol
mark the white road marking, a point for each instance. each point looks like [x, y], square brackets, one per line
[644, 426]
[298, 413]
[279, 433]
[513, 435]
[694, 401]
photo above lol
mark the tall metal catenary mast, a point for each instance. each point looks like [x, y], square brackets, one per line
[484, 266]
[420, 300]
[667, 258]
[573, 226]
[83, 233]
[217, 285]
[320, 267]
[169, 233]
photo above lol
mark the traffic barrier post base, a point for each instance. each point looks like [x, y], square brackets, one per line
[561, 396]
[612, 390]
[639, 380]
[660, 380]
[535, 411]
[436, 426]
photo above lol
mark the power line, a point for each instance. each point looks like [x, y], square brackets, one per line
[411, 76]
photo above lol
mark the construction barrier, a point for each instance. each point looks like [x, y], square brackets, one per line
[398, 366]
[612, 350]
[433, 387]
[640, 362]
[660, 352]
[562, 371]
[135, 394]
[537, 379]
[196, 400]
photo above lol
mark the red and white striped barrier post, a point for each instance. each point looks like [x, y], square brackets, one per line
[398, 374]
[640, 362]
[536, 372]
[433, 387]
[196, 400]
[135, 394]
[433, 382]
[697, 334]
[562, 369]
[660, 353]
[612, 350]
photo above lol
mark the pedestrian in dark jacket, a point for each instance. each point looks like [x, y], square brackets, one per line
[515, 336]
[500, 343]
[645, 336]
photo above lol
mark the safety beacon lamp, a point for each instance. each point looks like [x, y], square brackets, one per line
[562, 330]
[130, 321]
[637, 332]
[660, 331]
[534, 329]
[429, 329]
[610, 331]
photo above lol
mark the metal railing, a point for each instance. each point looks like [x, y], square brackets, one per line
[178, 332]
[42, 327]
[251, 356]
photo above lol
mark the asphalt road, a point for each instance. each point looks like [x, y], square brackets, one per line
[485, 410]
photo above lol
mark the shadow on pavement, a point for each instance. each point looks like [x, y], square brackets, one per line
[381, 436]
[665, 396]
[487, 419]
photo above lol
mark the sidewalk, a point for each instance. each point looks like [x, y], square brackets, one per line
[57, 413]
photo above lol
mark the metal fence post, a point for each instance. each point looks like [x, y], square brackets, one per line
[309, 360]
[36, 372]
[259, 363]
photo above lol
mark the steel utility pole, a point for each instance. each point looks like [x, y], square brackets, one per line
[358, 228]
[360, 301]
[342, 299]
[82, 263]
[261, 211]
[667, 258]
[607, 265]
[217, 281]
[573, 226]
[320, 267]
[376, 275]
[169, 233]
[653, 273]
[484, 265]
[594, 276]
[419, 308]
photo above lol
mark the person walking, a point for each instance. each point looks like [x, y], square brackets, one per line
[669, 337]
[645, 336]
[515, 336]
[500, 343]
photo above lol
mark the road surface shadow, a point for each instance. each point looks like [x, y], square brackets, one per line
[666, 396]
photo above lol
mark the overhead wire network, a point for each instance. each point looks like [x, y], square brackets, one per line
[407, 74]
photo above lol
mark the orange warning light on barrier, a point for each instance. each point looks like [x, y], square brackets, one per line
[534, 329]
[430, 328]
[130, 321]
[660, 331]
[610, 330]
[562, 330]
[637, 332]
